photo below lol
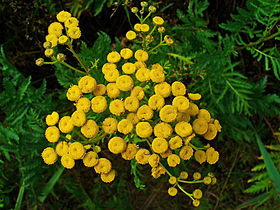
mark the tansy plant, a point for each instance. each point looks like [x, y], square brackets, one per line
[136, 113]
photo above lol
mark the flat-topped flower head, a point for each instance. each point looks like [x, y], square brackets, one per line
[62, 148]
[129, 68]
[125, 126]
[144, 129]
[90, 159]
[87, 84]
[200, 126]
[55, 28]
[62, 16]
[67, 161]
[103, 166]
[99, 104]
[52, 119]
[186, 153]
[157, 75]
[173, 160]
[74, 32]
[163, 130]
[78, 118]
[112, 90]
[154, 160]
[76, 150]
[116, 145]
[116, 107]
[52, 134]
[126, 53]
[178, 89]
[143, 74]
[131, 103]
[71, 22]
[181, 103]
[113, 57]
[145, 113]
[83, 104]
[90, 129]
[65, 124]
[108, 177]
[138, 92]
[107, 67]
[159, 145]
[168, 113]
[112, 75]
[172, 191]
[109, 125]
[211, 132]
[132, 117]
[175, 142]
[142, 156]
[141, 55]
[156, 102]
[100, 90]
[200, 156]
[158, 20]
[125, 83]
[163, 89]
[49, 156]
[183, 129]
[74, 93]
[130, 35]
[129, 152]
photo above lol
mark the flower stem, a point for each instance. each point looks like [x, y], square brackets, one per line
[188, 194]
[77, 57]
[71, 67]
[190, 182]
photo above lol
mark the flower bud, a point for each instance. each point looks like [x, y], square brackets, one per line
[168, 40]
[49, 52]
[39, 61]
[61, 57]
[161, 29]
[150, 38]
[47, 45]
[144, 4]
[134, 9]
[141, 12]
[152, 9]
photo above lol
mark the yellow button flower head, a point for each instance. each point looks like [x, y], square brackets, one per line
[143, 75]
[112, 90]
[112, 75]
[99, 104]
[67, 161]
[172, 191]
[163, 89]
[126, 53]
[52, 38]
[116, 107]
[74, 93]
[103, 166]
[157, 76]
[200, 156]
[183, 116]
[49, 52]
[78, 118]
[168, 40]
[145, 113]
[62, 16]
[211, 132]
[52, 134]
[63, 39]
[76, 150]
[49, 156]
[186, 153]
[193, 109]
[71, 22]
[166, 153]
[113, 57]
[90, 159]
[137, 27]
[194, 96]
[172, 180]
[130, 152]
[74, 32]
[218, 126]
[108, 177]
[129, 68]
[168, 113]
[196, 175]
[159, 145]
[130, 35]
[204, 114]
[131, 103]
[100, 90]
[52, 119]
[183, 129]
[158, 20]
[175, 142]
[83, 104]
[65, 124]
[132, 117]
[68, 137]
[90, 129]
[200, 126]
[125, 83]
[154, 160]
[87, 84]
[116, 145]
[55, 28]
[144, 28]
[189, 138]
[157, 171]
[140, 64]
[173, 160]
[181, 103]
[109, 125]
[196, 203]
[62, 148]
[207, 180]
[142, 156]
[157, 66]
[125, 126]
[107, 67]
[212, 156]
[163, 130]
[197, 193]
[138, 92]
[184, 175]
[178, 89]
[141, 55]
[156, 102]
[144, 129]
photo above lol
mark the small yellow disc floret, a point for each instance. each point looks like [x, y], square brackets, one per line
[62, 148]
[113, 57]
[156, 102]
[49, 156]
[87, 84]
[163, 130]
[103, 166]
[178, 88]
[124, 83]
[83, 104]
[144, 129]
[125, 126]
[159, 145]
[99, 104]
[142, 156]
[109, 125]
[108, 177]
[52, 119]
[74, 93]
[62, 16]
[168, 113]
[90, 129]
[116, 145]
[76, 150]
[141, 55]
[65, 124]
[90, 159]
[78, 118]
[126, 53]
[116, 107]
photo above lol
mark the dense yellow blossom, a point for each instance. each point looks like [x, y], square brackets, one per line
[193, 109]
[74, 32]
[204, 114]
[124, 83]
[129, 68]
[87, 84]
[103, 166]
[52, 119]
[183, 116]
[67, 161]
[186, 152]
[157, 66]
[90, 129]
[126, 53]
[63, 39]
[207, 180]
[138, 92]
[196, 203]
[212, 156]
[78, 118]
[52, 38]
[218, 126]
[108, 177]
[184, 175]
[137, 27]
[112, 90]
[65, 124]
[183, 129]
[116, 107]
[156, 102]
[74, 93]
[62, 16]
[62, 148]
[144, 28]
[55, 28]
[181, 103]
[159, 145]
[109, 125]
[113, 57]
[211, 132]
[168, 113]
[173, 160]
[107, 67]
[130, 35]
[90, 159]
[172, 191]
[131, 103]
[145, 113]
[154, 160]
[144, 129]
[163, 89]
[194, 96]
[142, 156]
[197, 193]
[130, 152]
[158, 171]
[49, 52]
[83, 104]
[175, 142]
[196, 175]
[140, 64]
[178, 89]
[71, 22]
[116, 145]
[76, 150]
[200, 156]
[125, 126]
[200, 126]
[143, 74]
[157, 75]
[49, 156]
[132, 117]
[163, 130]
[100, 90]
[141, 55]
[158, 21]
[99, 104]
[172, 180]
[112, 75]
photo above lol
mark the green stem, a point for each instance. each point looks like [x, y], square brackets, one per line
[155, 47]
[77, 57]
[53, 62]
[188, 194]
[190, 182]
[138, 17]
[71, 67]
[147, 17]
[194, 147]
[152, 30]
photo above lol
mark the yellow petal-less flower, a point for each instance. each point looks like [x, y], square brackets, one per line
[194, 96]
[156, 102]
[172, 180]
[163, 130]
[163, 89]
[125, 83]
[144, 28]
[87, 84]
[168, 113]
[140, 64]
[129, 68]
[108, 177]
[107, 67]
[178, 89]
[197, 193]
[173, 160]
[172, 191]
[62, 148]
[52, 119]
[110, 125]
[159, 145]
[186, 152]
[99, 104]
[116, 107]
[166, 153]
[157, 75]
[63, 39]
[200, 156]
[67, 161]
[71, 22]
[116, 145]
[112, 75]
[138, 92]
[175, 143]
[184, 175]
[141, 55]
[90, 129]
[218, 126]
[193, 109]
[204, 114]
[112, 90]
[49, 156]
[52, 38]
[130, 35]
[125, 126]
[74, 32]
[200, 126]
[78, 118]
[158, 171]
[74, 93]
[137, 27]
[145, 113]
[154, 160]
[62, 16]
[211, 132]
[76, 150]
[65, 124]
[144, 129]
[103, 166]
[90, 159]
[158, 21]
[113, 57]
[183, 129]
[183, 116]
[212, 156]
[83, 104]
[157, 66]
[132, 117]
[130, 152]
[196, 203]
[55, 28]
[143, 74]
[181, 103]
[142, 156]
[126, 53]
[131, 103]
[196, 175]
[100, 90]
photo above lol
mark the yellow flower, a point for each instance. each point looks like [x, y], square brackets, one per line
[159, 145]
[143, 75]
[125, 126]
[83, 104]
[181, 103]
[74, 93]
[149, 38]
[125, 83]
[130, 35]
[142, 156]
[71, 22]
[172, 191]
[157, 171]
[211, 132]
[130, 152]
[65, 124]
[158, 20]
[137, 27]
[103, 166]
[76, 150]
[193, 109]
[196, 203]
[207, 180]
[107, 67]
[116, 107]
[166, 153]
[67, 161]
[138, 92]
[87, 84]
[109, 125]
[78, 118]
[163, 89]
[141, 55]
[163, 130]
[126, 53]
[131, 103]
[132, 117]
[200, 126]
[157, 75]
[90, 159]
[196, 175]
[52, 134]
[49, 156]
[172, 180]
[189, 138]
[183, 129]
[197, 193]
[173, 160]
[99, 90]
[52, 38]
[167, 39]
[116, 145]
[175, 143]
[186, 153]
[178, 88]
[112, 90]
[184, 175]
[99, 104]
[113, 57]
[52, 119]
[74, 32]
[129, 68]
[90, 129]
[144, 28]
[62, 16]
[168, 113]
[156, 102]
[194, 96]
[157, 66]
[49, 52]
[112, 75]
[63, 39]
[144, 129]
[55, 28]
[108, 177]
[140, 64]
[200, 156]
[68, 137]
[183, 116]
[218, 126]
[62, 148]
[145, 113]
[212, 156]
[204, 114]
[154, 160]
